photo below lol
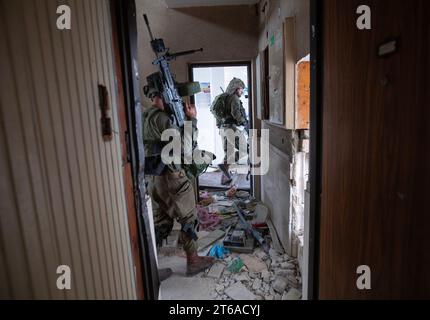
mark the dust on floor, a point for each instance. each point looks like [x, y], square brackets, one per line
[252, 275]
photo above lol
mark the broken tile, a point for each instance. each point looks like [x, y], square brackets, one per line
[293, 294]
[279, 284]
[284, 273]
[273, 253]
[253, 264]
[219, 288]
[287, 265]
[239, 292]
[259, 292]
[271, 291]
[242, 277]
[262, 255]
[256, 285]
[216, 271]
[265, 275]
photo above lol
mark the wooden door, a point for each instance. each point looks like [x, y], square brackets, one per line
[376, 151]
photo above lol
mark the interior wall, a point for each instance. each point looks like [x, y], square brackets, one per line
[272, 13]
[62, 198]
[226, 33]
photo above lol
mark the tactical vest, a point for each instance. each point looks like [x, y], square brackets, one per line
[153, 144]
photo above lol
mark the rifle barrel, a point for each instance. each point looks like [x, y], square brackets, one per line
[184, 53]
[145, 17]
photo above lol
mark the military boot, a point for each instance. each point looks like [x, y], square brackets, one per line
[226, 177]
[197, 264]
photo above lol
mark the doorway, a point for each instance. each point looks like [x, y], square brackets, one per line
[214, 79]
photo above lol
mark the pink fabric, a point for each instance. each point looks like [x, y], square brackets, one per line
[207, 221]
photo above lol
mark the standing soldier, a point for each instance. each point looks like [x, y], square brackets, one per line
[230, 114]
[171, 191]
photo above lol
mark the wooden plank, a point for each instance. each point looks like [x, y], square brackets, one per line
[303, 95]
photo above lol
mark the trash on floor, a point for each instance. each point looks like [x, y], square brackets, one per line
[235, 265]
[236, 229]
[207, 221]
[218, 251]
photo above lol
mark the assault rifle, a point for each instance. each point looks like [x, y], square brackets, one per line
[163, 80]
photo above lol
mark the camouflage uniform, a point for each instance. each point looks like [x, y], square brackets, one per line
[235, 116]
[171, 190]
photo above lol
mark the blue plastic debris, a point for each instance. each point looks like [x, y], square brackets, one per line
[218, 251]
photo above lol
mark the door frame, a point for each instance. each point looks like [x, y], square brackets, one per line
[124, 29]
[315, 167]
[244, 63]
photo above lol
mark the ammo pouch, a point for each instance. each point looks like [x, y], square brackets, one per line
[190, 230]
[154, 165]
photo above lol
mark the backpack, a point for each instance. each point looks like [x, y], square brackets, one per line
[218, 108]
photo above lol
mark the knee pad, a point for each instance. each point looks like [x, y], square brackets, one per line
[190, 230]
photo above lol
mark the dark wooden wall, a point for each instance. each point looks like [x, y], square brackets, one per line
[376, 151]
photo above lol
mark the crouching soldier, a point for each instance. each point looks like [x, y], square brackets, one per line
[169, 185]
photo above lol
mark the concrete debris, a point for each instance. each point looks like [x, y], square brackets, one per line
[257, 284]
[253, 264]
[284, 273]
[293, 294]
[278, 281]
[261, 276]
[287, 265]
[239, 292]
[261, 255]
[280, 284]
[242, 277]
[220, 289]
[273, 253]
[216, 271]
[271, 291]
[265, 275]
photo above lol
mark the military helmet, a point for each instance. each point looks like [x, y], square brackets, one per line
[235, 84]
[154, 82]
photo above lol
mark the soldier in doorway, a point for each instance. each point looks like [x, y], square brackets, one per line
[169, 185]
[229, 113]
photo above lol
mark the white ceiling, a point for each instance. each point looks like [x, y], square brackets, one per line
[207, 3]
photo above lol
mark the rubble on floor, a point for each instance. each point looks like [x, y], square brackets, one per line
[279, 279]
[240, 274]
